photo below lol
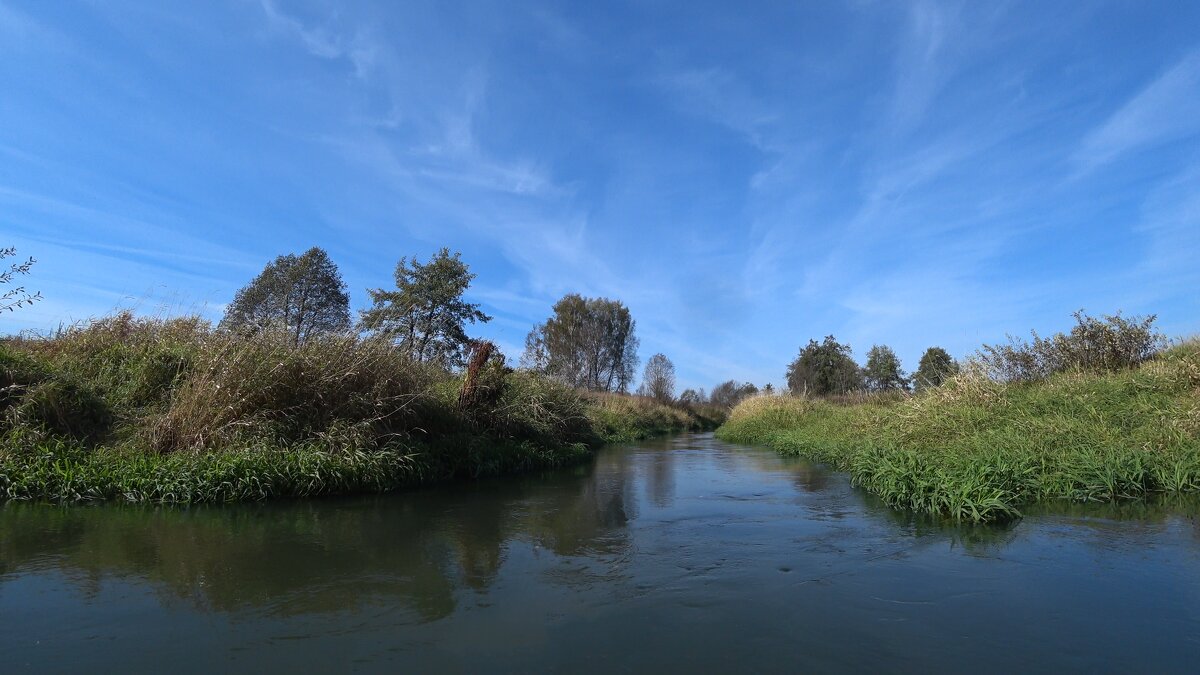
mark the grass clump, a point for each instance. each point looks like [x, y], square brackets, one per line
[978, 449]
[174, 411]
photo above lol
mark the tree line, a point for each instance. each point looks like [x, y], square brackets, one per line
[1094, 344]
[589, 343]
[827, 368]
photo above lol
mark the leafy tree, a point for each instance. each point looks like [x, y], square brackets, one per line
[658, 379]
[768, 389]
[731, 392]
[304, 296]
[18, 297]
[936, 367]
[589, 343]
[426, 314]
[693, 397]
[882, 371]
[824, 368]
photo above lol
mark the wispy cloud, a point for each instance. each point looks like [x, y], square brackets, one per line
[720, 96]
[919, 62]
[743, 179]
[324, 40]
[1166, 109]
[1171, 224]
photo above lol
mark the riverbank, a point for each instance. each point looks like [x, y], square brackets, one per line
[978, 450]
[171, 411]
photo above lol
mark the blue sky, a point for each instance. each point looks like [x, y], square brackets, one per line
[744, 178]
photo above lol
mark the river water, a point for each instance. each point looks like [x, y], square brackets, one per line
[679, 555]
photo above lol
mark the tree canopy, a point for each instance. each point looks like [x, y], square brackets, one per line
[824, 368]
[883, 372]
[658, 379]
[589, 343]
[936, 367]
[425, 314]
[15, 298]
[731, 392]
[304, 296]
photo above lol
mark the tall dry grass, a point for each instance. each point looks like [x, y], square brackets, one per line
[173, 410]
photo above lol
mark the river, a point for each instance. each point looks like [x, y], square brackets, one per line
[678, 555]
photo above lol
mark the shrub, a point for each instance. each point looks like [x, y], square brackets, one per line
[1110, 344]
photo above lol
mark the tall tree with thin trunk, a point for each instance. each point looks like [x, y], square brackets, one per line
[426, 315]
[658, 379]
[588, 343]
[302, 296]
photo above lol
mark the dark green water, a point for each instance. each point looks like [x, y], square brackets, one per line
[683, 555]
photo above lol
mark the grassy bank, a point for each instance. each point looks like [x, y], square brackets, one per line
[978, 450]
[171, 411]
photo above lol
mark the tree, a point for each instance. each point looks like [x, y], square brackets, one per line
[18, 297]
[303, 296]
[692, 397]
[426, 315]
[882, 371]
[588, 343]
[936, 367]
[824, 368]
[658, 379]
[731, 392]
[768, 389]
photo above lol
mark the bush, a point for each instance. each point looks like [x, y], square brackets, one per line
[1110, 344]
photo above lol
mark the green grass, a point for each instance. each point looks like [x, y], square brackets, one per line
[626, 419]
[977, 450]
[171, 411]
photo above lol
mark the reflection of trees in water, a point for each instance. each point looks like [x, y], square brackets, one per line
[593, 516]
[416, 549]
[286, 559]
[420, 550]
[660, 484]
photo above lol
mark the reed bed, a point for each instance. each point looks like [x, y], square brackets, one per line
[978, 450]
[174, 411]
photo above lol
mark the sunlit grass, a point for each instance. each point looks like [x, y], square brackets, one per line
[172, 411]
[978, 450]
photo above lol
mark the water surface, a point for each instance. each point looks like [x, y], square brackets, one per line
[686, 554]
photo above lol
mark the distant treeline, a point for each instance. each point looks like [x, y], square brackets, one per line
[587, 343]
[1104, 344]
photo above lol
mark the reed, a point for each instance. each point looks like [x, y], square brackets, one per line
[978, 450]
[172, 410]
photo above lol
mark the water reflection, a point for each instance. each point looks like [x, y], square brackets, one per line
[427, 551]
[416, 549]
